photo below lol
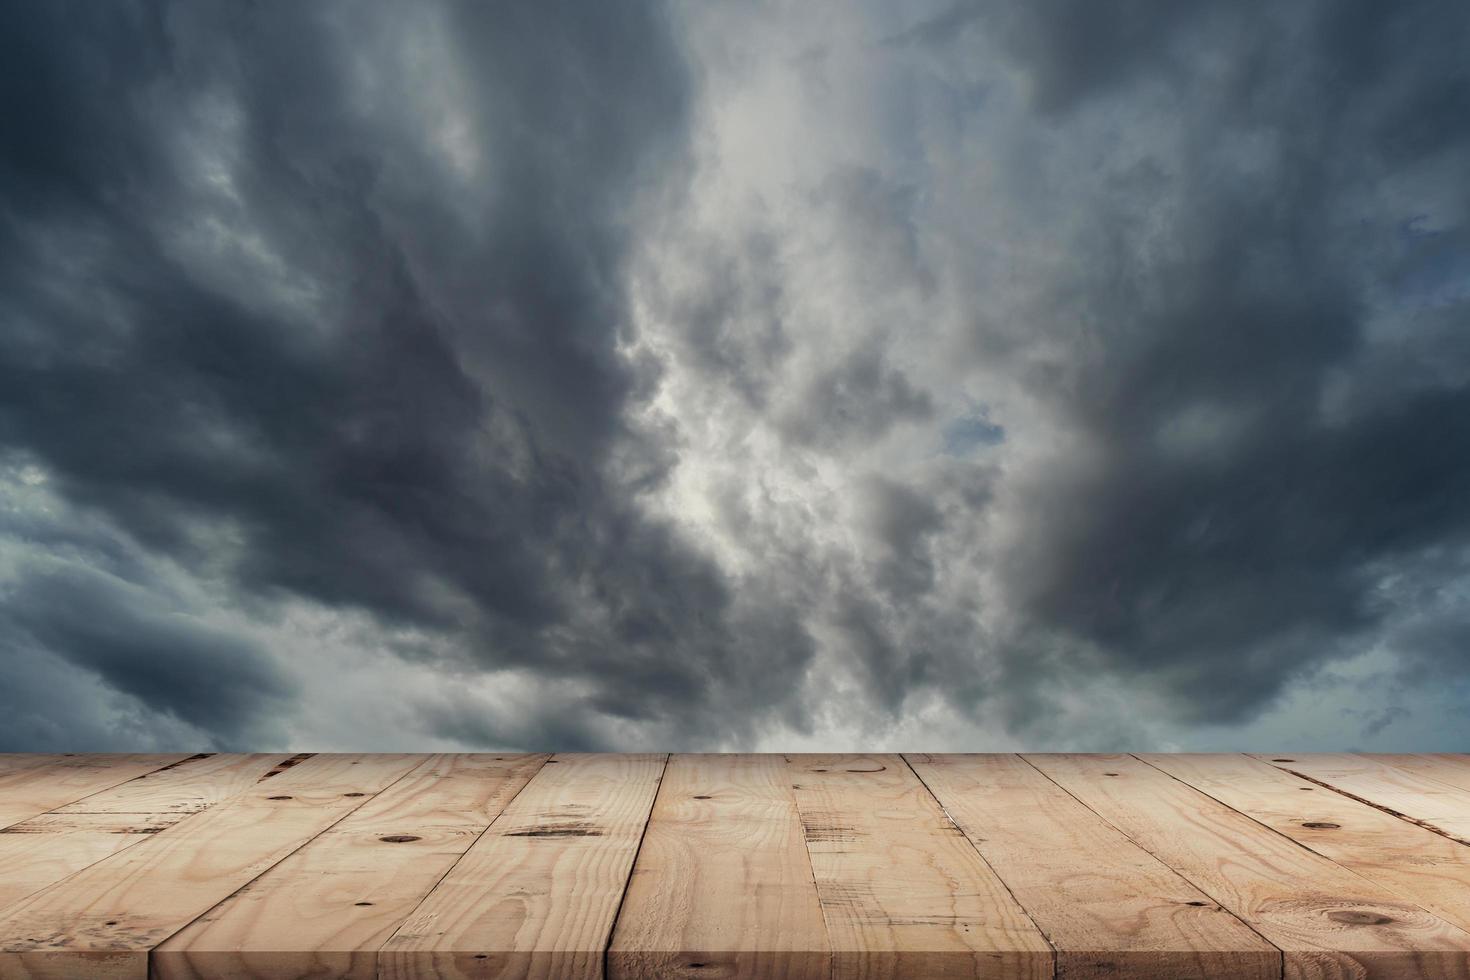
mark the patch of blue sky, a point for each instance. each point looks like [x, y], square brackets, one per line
[972, 432]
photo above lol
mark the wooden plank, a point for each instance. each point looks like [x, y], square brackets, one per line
[537, 894]
[1109, 907]
[1378, 780]
[1447, 767]
[1327, 920]
[189, 787]
[16, 761]
[763, 866]
[1421, 866]
[903, 892]
[723, 884]
[29, 791]
[325, 910]
[38, 852]
[102, 921]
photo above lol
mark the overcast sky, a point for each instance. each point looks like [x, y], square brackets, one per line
[735, 375]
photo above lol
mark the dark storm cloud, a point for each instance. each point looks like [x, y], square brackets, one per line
[469, 322]
[203, 676]
[901, 523]
[1232, 290]
[859, 397]
[733, 322]
[862, 395]
[1249, 482]
[343, 283]
[1069, 49]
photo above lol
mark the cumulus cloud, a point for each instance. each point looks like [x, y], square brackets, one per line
[652, 375]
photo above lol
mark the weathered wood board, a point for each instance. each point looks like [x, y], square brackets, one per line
[801, 867]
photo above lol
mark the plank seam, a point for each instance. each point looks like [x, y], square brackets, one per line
[1425, 824]
[152, 965]
[1280, 953]
[378, 953]
[121, 813]
[1315, 853]
[1437, 758]
[172, 765]
[1419, 773]
[285, 764]
[612, 927]
[115, 786]
[105, 789]
[1055, 961]
[811, 867]
[1205, 792]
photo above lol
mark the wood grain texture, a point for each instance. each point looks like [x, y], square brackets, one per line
[1447, 767]
[1422, 867]
[1109, 907]
[327, 909]
[903, 892]
[803, 867]
[16, 761]
[103, 920]
[29, 791]
[722, 886]
[38, 852]
[1327, 920]
[1403, 784]
[537, 895]
[187, 787]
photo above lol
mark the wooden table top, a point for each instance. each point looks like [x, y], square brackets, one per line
[704, 866]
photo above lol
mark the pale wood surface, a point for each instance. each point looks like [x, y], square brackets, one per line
[1423, 867]
[15, 761]
[723, 886]
[326, 909]
[47, 848]
[1451, 769]
[1328, 921]
[903, 892]
[782, 867]
[1106, 904]
[187, 787]
[537, 894]
[28, 791]
[104, 920]
[1397, 783]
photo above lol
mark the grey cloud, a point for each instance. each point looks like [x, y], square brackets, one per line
[861, 396]
[733, 316]
[476, 326]
[325, 303]
[206, 677]
[47, 703]
[901, 523]
[1225, 536]
[1236, 378]
[1070, 49]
